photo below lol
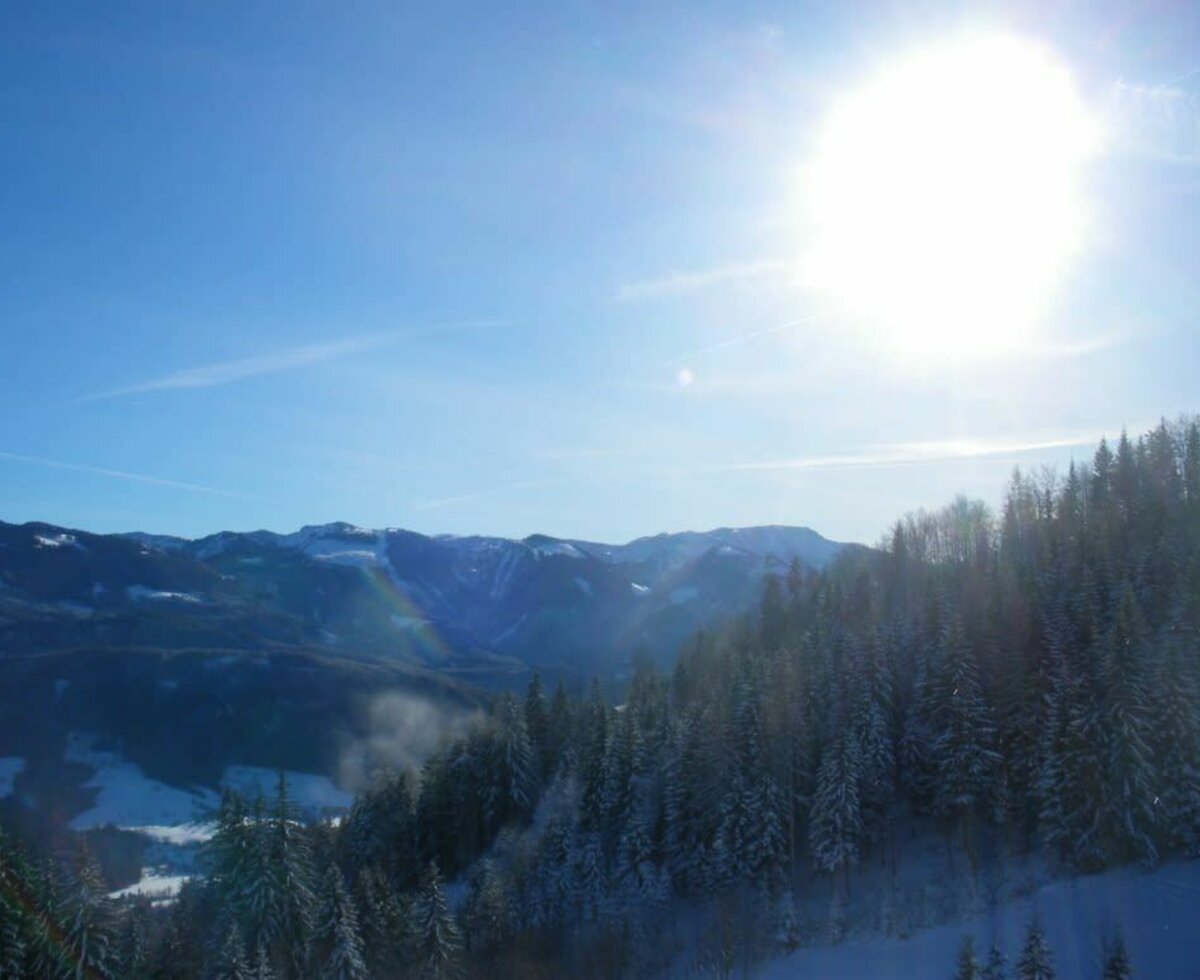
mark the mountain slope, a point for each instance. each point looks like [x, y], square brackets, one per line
[482, 606]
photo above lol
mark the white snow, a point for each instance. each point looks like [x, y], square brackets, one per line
[180, 834]
[684, 593]
[639, 589]
[584, 585]
[10, 766]
[1156, 912]
[153, 885]
[127, 797]
[57, 541]
[139, 592]
[312, 793]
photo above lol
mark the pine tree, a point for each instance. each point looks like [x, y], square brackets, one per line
[1177, 732]
[132, 953]
[261, 969]
[994, 968]
[290, 864]
[1116, 962]
[1129, 817]
[1035, 961]
[967, 761]
[336, 939]
[968, 965]
[231, 963]
[87, 920]
[835, 823]
[537, 725]
[437, 937]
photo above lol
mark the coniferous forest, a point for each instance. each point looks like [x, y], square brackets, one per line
[1018, 682]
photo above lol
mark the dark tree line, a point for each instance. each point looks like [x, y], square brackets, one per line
[1030, 677]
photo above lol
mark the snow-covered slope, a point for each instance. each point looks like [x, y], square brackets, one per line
[1156, 912]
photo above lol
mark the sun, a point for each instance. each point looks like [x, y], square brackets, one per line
[945, 196]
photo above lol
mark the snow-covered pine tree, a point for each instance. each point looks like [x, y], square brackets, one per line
[1177, 734]
[231, 960]
[437, 937]
[514, 766]
[336, 941]
[835, 821]
[537, 725]
[131, 943]
[86, 916]
[487, 916]
[965, 751]
[261, 968]
[1035, 961]
[1129, 817]
[968, 967]
[291, 867]
[994, 968]
[1116, 961]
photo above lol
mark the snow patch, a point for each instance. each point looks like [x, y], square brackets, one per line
[126, 797]
[61, 540]
[315, 795]
[1156, 912]
[10, 767]
[584, 585]
[639, 589]
[181, 835]
[153, 885]
[139, 592]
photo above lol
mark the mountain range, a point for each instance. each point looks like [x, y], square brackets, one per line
[271, 649]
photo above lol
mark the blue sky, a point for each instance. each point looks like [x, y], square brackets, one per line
[475, 268]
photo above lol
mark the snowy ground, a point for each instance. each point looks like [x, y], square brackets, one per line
[177, 821]
[1158, 913]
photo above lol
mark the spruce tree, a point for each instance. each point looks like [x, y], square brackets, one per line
[337, 943]
[835, 823]
[994, 968]
[437, 938]
[968, 967]
[1035, 961]
[1116, 962]
[231, 961]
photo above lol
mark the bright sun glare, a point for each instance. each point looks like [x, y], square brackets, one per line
[945, 195]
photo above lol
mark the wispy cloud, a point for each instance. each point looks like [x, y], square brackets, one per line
[437, 503]
[676, 283]
[745, 338]
[157, 481]
[905, 453]
[1158, 121]
[274, 362]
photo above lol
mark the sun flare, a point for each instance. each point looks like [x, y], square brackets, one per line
[945, 196]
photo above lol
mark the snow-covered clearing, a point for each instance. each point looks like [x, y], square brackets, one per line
[1157, 913]
[153, 885]
[126, 797]
[315, 795]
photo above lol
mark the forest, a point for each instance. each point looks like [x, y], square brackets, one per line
[1009, 683]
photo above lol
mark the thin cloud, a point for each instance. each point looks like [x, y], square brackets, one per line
[438, 503]
[274, 362]
[746, 338]
[687, 282]
[157, 481]
[1158, 121]
[906, 453]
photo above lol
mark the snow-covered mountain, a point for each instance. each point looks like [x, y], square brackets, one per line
[482, 606]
